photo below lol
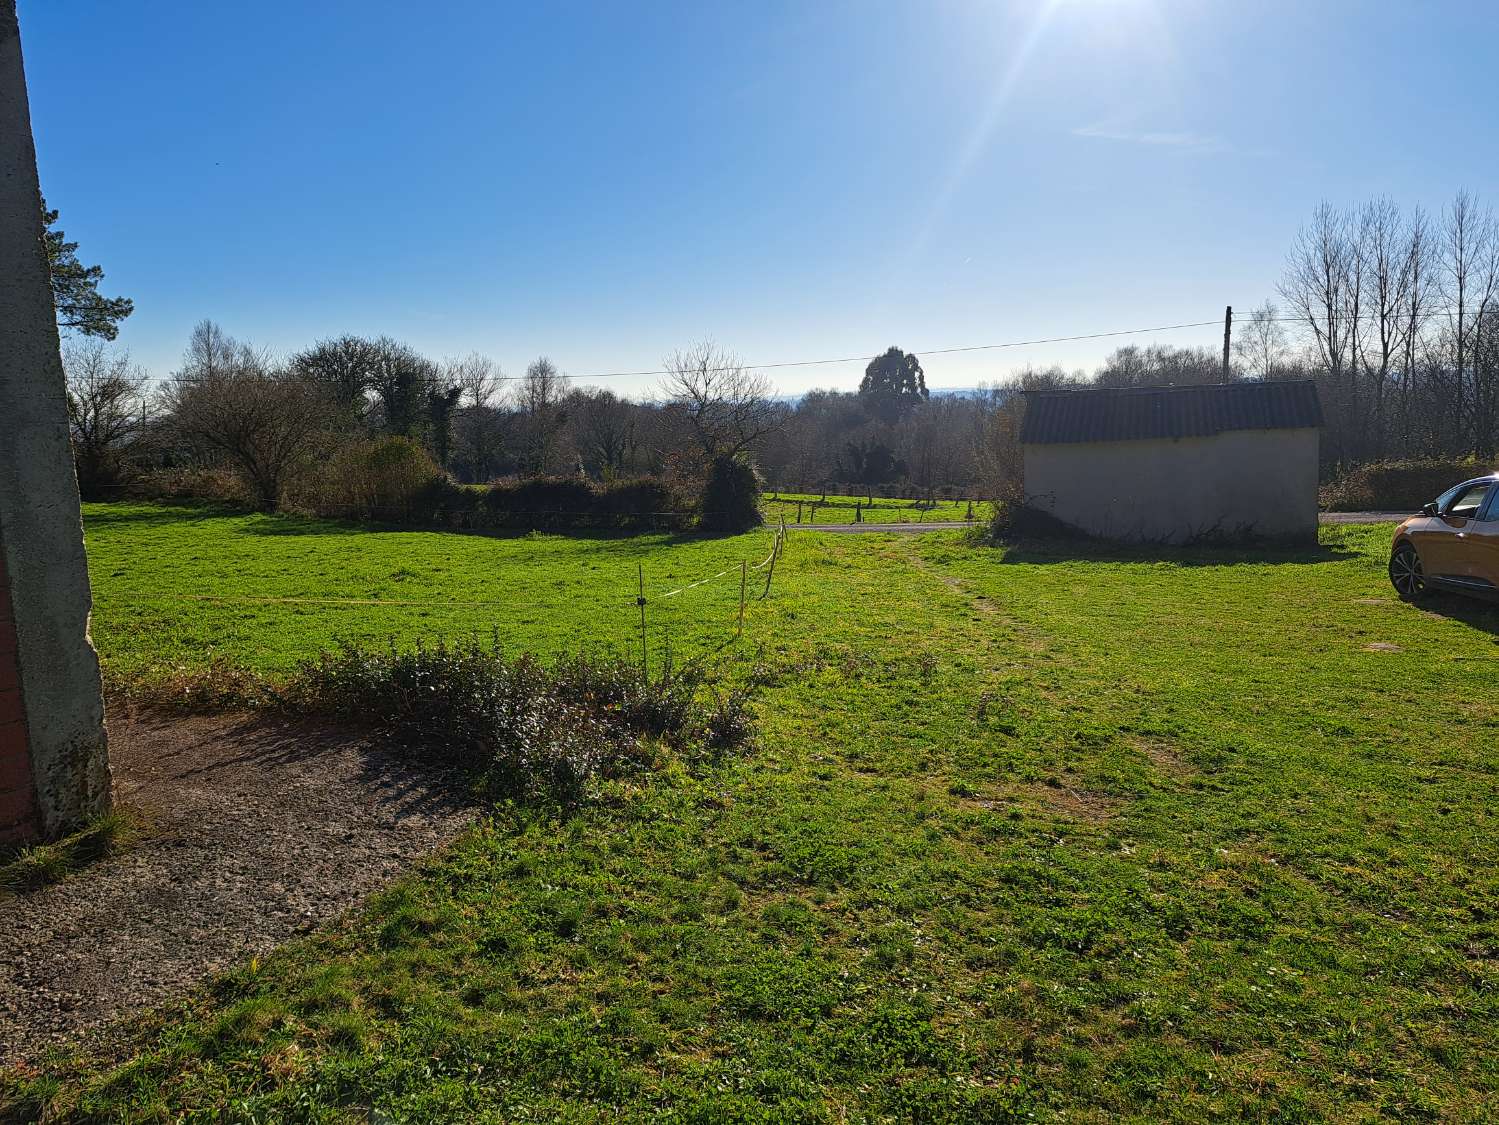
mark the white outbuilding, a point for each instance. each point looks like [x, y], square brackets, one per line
[1177, 464]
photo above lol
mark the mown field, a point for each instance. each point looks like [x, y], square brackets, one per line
[1024, 836]
[816, 508]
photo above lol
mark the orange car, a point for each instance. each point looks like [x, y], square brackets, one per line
[1452, 545]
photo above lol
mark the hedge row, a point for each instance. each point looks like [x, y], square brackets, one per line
[1397, 486]
[392, 480]
[539, 504]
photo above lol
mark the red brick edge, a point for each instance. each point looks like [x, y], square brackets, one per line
[20, 819]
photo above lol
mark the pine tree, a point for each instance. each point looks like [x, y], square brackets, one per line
[75, 288]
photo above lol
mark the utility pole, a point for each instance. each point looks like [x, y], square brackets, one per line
[1228, 330]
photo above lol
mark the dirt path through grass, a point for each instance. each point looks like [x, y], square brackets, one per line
[255, 832]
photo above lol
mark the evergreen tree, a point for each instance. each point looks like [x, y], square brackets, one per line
[75, 287]
[893, 383]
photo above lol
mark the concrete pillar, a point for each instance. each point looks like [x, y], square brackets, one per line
[54, 767]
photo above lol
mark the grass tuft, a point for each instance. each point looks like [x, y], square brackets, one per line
[41, 865]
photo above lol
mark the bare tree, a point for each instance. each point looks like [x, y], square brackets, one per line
[476, 375]
[605, 431]
[1001, 462]
[229, 401]
[931, 442]
[108, 410]
[1383, 255]
[1260, 342]
[538, 402]
[346, 365]
[730, 407]
[1321, 286]
[479, 426]
[401, 380]
[1470, 260]
[1158, 365]
[1419, 293]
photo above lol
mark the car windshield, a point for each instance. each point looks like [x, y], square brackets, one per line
[1468, 501]
[1447, 497]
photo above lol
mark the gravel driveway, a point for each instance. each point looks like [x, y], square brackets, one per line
[256, 832]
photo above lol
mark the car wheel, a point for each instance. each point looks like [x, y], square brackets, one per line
[1406, 574]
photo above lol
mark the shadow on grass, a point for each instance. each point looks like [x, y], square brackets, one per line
[1477, 613]
[1044, 552]
[156, 513]
[305, 525]
[160, 513]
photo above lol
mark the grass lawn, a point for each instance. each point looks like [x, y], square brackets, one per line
[840, 509]
[1101, 838]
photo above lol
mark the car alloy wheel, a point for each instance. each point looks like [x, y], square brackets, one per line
[1406, 574]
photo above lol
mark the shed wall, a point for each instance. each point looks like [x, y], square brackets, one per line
[1260, 483]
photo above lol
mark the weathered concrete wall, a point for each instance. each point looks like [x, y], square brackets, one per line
[41, 533]
[20, 819]
[1244, 482]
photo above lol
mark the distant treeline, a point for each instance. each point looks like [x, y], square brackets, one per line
[1394, 315]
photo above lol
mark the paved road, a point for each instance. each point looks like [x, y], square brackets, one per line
[1363, 517]
[953, 525]
[949, 525]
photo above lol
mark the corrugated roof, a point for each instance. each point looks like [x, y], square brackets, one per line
[1145, 413]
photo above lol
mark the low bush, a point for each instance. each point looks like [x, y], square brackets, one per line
[1397, 486]
[215, 686]
[1013, 521]
[541, 502]
[102, 474]
[559, 503]
[188, 483]
[640, 503]
[385, 480]
[526, 729]
[731, 496]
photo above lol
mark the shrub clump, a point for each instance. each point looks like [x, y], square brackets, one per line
[525, 729]
[189, 483]
[731, 496]
[1013, 521]
[384, 480]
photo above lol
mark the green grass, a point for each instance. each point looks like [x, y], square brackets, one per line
[30, 868]
[1109, 838]
[840, 509]
[185, 585]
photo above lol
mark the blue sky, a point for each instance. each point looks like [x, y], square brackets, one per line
[603, 183]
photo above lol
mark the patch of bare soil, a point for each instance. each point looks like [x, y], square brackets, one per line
[1087, 806]
[1164, 757]
[258, 831]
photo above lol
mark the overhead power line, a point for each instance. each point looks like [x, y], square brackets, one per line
[917, 352]
[1216, 322]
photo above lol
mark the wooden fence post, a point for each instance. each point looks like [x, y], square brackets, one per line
[640, 601]
[743, 582]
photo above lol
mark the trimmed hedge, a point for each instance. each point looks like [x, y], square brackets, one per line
[391, 481]
[1397, 486]
[557, 504]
